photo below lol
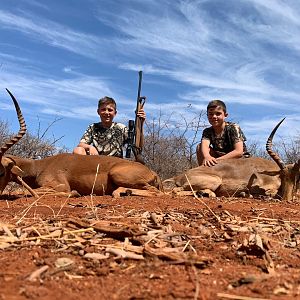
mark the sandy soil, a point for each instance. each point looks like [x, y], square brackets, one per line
[148, 248]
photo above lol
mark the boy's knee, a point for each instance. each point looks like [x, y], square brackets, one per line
[79, 150]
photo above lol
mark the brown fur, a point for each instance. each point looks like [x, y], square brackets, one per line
[69, 172]
[234, 177]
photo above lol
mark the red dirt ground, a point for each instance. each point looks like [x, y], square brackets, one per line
[178, 248]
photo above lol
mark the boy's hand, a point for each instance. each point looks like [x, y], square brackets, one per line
[209, 162]
[141, 114]
[93, 151]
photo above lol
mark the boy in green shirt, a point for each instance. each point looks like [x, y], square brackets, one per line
[222, 140]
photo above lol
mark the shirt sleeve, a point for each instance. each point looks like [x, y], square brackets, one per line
[237, 134]
[87, 136]
[207, 134]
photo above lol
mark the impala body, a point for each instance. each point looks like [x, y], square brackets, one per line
[97, 174]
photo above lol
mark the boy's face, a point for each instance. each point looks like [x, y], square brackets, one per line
[107, 112]
[216, 116]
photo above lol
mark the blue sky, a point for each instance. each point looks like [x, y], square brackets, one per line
[59, 57]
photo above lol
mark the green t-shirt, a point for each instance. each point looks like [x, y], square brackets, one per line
[223, 144]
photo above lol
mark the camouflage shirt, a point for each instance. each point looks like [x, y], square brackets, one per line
[223, 144]
[107, 141]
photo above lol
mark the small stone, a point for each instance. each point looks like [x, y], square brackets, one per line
[63, 262]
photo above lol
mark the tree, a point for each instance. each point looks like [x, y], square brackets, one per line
[291, 150]
[31, 146]
[170, 147]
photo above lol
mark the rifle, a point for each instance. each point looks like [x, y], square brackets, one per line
[135, 128]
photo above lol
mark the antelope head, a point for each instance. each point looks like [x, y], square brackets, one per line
[7, 165]
[289, 173]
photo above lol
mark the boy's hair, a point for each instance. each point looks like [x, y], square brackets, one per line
[107, 100]
[216, 103]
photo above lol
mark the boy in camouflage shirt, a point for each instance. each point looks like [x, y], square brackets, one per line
[105, 137]
[222, 140]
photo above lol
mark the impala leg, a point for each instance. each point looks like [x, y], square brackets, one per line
[56, 186]
[43, 191]
[59, 190]
[122, 191]
[208, 184]
[137, 177]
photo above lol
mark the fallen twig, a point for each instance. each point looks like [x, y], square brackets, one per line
[109, 229]
[124, 254]
[37, 273]
[195, 195]
[236, 297]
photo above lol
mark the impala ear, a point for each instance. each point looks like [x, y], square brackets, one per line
[17, 171]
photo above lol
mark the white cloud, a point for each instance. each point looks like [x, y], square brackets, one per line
[54, 34]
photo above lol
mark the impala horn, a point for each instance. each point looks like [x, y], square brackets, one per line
[22, 130]
[274, 155]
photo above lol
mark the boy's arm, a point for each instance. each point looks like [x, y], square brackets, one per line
[237, 152]
[208, 160]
